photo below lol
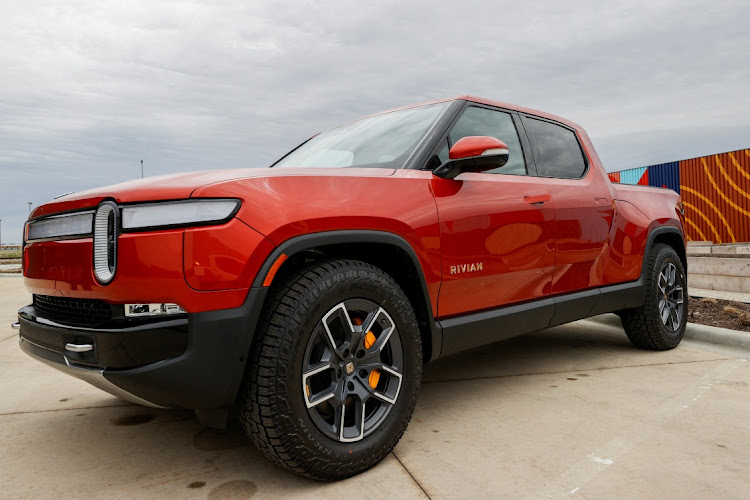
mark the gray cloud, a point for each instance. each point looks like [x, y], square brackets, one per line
[89, 89]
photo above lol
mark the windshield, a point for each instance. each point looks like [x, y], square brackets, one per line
[383, 141]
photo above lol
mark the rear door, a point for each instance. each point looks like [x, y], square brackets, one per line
[496, 227]
[582, 200]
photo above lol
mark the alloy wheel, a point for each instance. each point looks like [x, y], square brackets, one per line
[353, 369]
[670, 297]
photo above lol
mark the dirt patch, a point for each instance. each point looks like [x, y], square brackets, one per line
[721, 313]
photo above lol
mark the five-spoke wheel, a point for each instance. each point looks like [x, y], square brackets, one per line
[333, 378]
[660, 323]
[352, 372]
[670, 297]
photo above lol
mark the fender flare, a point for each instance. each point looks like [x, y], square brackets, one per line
[657, 231]
[345, 236]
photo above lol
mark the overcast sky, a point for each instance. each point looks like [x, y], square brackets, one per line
[88, 89]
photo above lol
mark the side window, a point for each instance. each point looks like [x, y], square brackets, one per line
[556, 150]
[483, 121]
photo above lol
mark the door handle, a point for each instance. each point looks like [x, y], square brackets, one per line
[537, 199]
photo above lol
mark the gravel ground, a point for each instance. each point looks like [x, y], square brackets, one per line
[721, 313]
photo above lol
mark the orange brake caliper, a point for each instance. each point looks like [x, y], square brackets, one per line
[374, 377]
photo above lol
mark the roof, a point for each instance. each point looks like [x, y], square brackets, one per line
[489, 102]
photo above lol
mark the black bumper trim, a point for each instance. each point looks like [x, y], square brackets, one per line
[207, 374]
[134, 344]
[94, 376]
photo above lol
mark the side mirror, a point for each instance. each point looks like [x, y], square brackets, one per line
[476, 153]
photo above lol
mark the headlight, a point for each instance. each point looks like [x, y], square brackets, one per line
[60, 226]
[179, 213]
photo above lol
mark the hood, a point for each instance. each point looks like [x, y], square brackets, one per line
[181, 186]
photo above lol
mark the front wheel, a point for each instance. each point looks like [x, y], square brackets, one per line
[333, 376]
[660, 323]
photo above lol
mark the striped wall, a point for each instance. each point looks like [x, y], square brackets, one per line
[666, 175]
[634, 176]
[716, 193]
[715, 190]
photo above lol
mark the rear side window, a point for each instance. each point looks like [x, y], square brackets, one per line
[556, 150]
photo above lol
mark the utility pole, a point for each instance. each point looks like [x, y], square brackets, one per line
[141, 169]
[29, 206]
[1, 234]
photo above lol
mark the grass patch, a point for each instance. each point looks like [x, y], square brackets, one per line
[10, 254]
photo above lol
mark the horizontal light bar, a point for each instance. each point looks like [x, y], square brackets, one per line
[79, 223]
[180, 213]
[140, 310]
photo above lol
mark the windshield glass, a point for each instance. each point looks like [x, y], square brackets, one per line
[384, 141]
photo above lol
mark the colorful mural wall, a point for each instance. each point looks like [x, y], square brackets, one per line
[714, 189]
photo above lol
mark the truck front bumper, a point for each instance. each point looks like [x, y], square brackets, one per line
[195, 361]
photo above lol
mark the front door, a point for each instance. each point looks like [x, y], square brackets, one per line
[497, 231]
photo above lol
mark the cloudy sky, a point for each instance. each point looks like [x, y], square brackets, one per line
[88, 89]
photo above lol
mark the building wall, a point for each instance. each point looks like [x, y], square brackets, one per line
[715, 190]
[716, 193]
[634, 176]
[666, 175]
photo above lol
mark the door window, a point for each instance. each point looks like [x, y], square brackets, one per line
[556, 150]
[488, 122]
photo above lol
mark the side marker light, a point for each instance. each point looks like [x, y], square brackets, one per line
[274, 269]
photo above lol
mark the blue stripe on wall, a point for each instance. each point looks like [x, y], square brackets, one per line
[665, 175]
[632, 176]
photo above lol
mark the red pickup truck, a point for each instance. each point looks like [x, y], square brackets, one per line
[309, 295]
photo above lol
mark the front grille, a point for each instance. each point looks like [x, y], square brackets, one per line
[73, 311]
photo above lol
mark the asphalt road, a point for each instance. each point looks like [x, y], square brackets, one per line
[573, 411]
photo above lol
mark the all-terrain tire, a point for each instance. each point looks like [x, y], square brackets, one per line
[272, 405]
[644, 325]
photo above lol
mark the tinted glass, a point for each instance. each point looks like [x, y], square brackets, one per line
[483, 121]
[384, 140]
[556, 150]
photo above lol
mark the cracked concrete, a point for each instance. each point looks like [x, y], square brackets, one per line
[571, 411]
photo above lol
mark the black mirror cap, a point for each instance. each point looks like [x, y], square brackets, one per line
[451, 168]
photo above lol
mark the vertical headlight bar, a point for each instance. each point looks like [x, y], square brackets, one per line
[106, 224]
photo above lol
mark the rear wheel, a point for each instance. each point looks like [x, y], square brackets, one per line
[334, 373]
[660, 323]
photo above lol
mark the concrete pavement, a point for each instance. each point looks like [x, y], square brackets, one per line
[571, 411]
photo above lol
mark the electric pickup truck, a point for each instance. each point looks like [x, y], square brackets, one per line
[308, 296]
